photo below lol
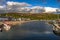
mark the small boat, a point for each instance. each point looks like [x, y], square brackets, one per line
[56, 28]
[6, 27]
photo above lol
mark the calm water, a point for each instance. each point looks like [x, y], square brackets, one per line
[36, 30]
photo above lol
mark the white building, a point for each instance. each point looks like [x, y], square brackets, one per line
[2, 19]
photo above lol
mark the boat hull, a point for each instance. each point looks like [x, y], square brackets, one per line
[7, 27]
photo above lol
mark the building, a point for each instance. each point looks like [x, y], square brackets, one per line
[2, 19]
[6, 18]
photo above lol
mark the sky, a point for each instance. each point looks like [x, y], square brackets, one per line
[44, 3]
[27, 5]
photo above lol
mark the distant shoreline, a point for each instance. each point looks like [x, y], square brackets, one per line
[20, 22]
[16, 22]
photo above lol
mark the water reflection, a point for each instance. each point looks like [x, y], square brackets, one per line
[35, 30]
[56, 33]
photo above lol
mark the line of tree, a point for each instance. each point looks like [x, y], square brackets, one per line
[40, 16]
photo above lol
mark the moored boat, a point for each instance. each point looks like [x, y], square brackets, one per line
[56, 27]
[7, 27]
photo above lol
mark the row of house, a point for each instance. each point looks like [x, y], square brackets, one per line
[13, 19]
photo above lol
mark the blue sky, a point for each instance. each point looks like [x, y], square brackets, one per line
[44, 3]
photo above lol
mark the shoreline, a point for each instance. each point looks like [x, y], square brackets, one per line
[19, 22]
[16, 22]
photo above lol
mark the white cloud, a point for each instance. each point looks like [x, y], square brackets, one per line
[2, 9]
[2, 6]
[22, 4]
[16, 6]
[50, 9]
[2, 2]
[37, 9]
[24, 7]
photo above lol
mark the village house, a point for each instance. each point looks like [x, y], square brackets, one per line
[5, 18]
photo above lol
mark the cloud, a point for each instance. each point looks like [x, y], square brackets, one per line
[24, 7]
[2, 6]
[50, 9]
[22, 4]
[37, 9]
[2, 9]
[16, 6]
[2, 2]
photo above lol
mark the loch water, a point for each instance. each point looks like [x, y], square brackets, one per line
[34, 30]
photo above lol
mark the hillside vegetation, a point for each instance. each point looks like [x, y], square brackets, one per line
[40, 16]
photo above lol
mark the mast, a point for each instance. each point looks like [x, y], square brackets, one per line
[58, 1]
[57, 14]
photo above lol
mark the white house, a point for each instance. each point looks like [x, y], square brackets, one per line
[2, 19]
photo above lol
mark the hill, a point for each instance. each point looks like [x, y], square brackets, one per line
[39, 16]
